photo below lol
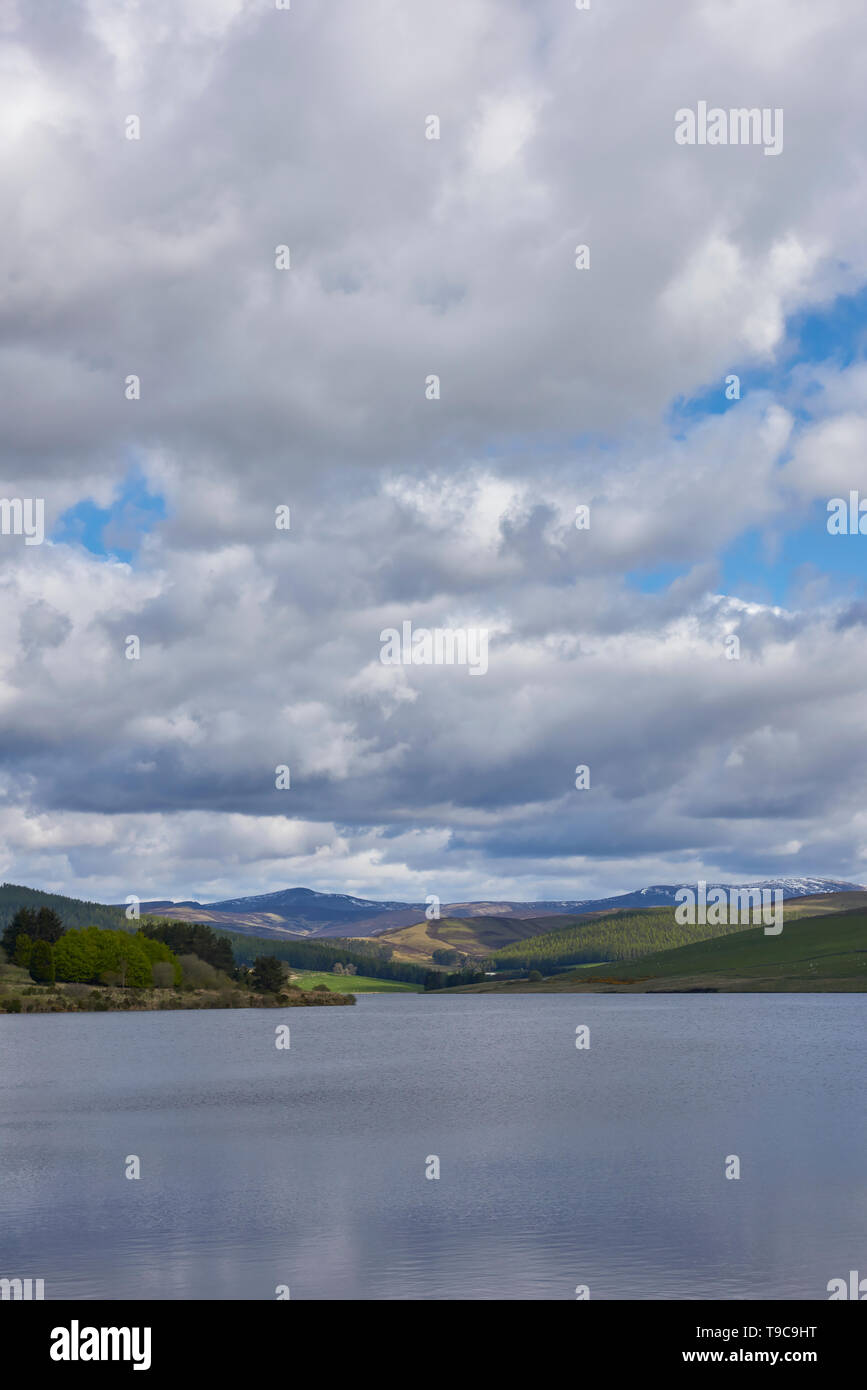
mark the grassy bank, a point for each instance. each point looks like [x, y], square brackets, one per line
[19, 995]
[350, 984]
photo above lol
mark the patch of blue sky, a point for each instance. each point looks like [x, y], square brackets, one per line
[775, 566]
[836, 335]
[653, 581]
[115, 531]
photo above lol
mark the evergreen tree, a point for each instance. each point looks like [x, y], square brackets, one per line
[23, 951]
[40, 924]
[22, 924]
[42, 963]
[192, 939]
[267, 974]
[49, 927]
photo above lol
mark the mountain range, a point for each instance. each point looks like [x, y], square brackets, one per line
[304, 912]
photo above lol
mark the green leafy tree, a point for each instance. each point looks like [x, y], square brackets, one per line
[116, 957]
[121, 955]
[76, 957]
[447, 957]
[198, 974]
[42, 963]
[158, 953]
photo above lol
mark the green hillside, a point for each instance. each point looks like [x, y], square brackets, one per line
[73, 912]
[614, 937]
[823, 953]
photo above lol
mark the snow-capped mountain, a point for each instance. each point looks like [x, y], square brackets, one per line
[304, 912]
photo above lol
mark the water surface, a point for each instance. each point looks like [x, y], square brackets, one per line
[602, 1167]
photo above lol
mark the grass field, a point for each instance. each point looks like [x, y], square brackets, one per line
[824, 953]
[350, 984]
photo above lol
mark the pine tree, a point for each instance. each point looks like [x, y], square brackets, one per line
[42, 963]
[23, 951]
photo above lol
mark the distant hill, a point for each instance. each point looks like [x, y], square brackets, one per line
[815, 903]
[474, 928]
[291, 912]
[303, 912]
[304, 902]
[554, 941]
[471, 936]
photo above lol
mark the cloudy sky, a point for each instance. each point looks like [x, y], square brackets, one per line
[263, 387]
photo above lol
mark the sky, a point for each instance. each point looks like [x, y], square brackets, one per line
[264, 386]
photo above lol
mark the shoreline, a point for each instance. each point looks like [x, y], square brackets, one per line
[104, 999]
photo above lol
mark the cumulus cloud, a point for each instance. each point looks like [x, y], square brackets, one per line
[305, 388]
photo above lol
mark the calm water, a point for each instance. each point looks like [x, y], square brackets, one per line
[559, 1167]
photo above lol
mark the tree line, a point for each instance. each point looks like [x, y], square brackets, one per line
[321, 955]
[191, 939]
[38, 941]
[162, 953]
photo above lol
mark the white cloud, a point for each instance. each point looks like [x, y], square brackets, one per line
[412, 257]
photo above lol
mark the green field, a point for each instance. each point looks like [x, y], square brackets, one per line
[824, 953]
[350, 984]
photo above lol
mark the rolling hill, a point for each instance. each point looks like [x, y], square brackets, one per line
[73, 912]
[827, 952]
[303, 912]
[621, 936]
[478, 937]
[557, 935]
